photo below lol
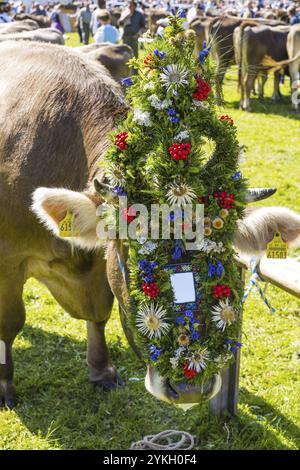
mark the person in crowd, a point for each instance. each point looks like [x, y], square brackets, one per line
[293, 17]
[84, 18]
[55, 19]
[38, 10]
[4, 12]
[133, 22]
[106, 32]
[77, 22]
[249, 11]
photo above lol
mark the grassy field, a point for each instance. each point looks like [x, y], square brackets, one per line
[59, 409]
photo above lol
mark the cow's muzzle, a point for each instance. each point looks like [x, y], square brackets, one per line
[181, 394]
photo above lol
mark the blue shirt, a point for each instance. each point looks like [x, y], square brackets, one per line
[106, 33]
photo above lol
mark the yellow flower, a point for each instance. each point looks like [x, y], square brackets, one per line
[207, 231]
[207, 222]
[183, 339]
[224, 213]
[218, 223]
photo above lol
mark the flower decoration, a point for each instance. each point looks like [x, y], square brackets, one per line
[142, 117]
[154, 353]
[198, 360]
[127, 81]
[221, 290]
[180, 194]
[180, 151]
[227, 119]
[151, 321]
[157, 157]
[121, 140]
[159, 54]
[233, 345]
[189, 373]
[173, 75]
[204, 53]
[223, 314]
[115, 175]
[203, 90]
[128, 214]
[174, 119]
[150, 289]
[225, 200]
[215, 269]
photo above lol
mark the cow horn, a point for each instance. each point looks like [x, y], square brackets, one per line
[257, 194]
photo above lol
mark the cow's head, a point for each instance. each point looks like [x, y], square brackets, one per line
[253, 232]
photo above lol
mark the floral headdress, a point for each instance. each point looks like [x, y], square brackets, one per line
[157, 156]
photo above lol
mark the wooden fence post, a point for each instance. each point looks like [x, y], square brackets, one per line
[227, 398]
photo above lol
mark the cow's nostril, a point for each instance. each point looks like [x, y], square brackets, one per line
[171, 391]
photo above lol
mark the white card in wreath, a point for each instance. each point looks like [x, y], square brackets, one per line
[183, 287]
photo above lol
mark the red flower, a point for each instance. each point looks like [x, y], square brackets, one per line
[148, 59]
[179, 151]
[189, 373]
[203, 90]
[226, 118]
[121, 140]
[128, 214]
[221, 290]
[151, 289]
[225, 200]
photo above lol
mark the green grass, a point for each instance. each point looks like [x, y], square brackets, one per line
[59, 409]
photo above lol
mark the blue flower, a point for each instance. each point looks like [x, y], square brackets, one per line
[204, 53]
[189, 313]
[174, 120]
[215, 269]
[154, 353]
[119, 191]
[181, 13]
[172, 216]
[195, 335]
[180, 320]
[171, 112]
[160, 54]
[127, 81]
[176, 251]
[237, 175]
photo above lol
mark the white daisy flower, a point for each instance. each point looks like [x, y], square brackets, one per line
[115, 175]
[173, 75]
[183, 135]
[198, 360]
[142, 117]
[223, 314]
[151, 321]
[180, 194]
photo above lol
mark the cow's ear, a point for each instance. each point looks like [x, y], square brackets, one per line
[52, 205]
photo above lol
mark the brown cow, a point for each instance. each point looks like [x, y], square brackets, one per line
[293, 50]
[221, 36]
[54, 136]
[48, 35]
[113, 56]
[18, 27]
[42, 21]
[252, 44]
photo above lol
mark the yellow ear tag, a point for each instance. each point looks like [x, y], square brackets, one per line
[277, 248]
[65, 226]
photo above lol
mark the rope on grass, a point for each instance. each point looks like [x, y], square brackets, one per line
[165, 441]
